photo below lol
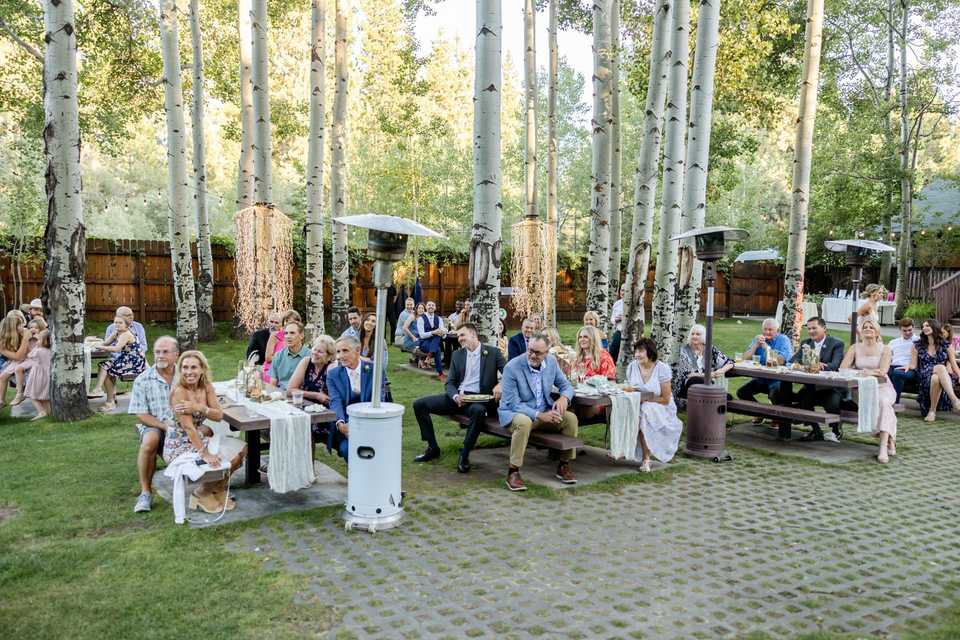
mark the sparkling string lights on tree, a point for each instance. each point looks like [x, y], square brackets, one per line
[264, 264]
[531, 266]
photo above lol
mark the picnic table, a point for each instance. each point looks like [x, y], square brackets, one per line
[787, 415]
[242, 417]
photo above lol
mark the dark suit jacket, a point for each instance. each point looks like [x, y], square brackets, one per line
[491, 362]
[338, 387]
[258, 344]
[517, 346]
[831, 353]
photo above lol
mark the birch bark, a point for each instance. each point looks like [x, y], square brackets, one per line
[485, 241]
[315, 151]
[204, 283]
[665, 287]
[530, 108]
[262, 142]
[906, 177]
[180, 255]
[65, 243]
[552, 227]
[803, 154]
[698, 155]
[598, 266]
[645, 184]
[338, 171]
[245, 169]
[616, 155]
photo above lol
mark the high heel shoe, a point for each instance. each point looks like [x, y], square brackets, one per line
[882, 457]
[931, 416]
[208, 503]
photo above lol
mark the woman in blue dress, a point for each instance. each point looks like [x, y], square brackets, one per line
[935, 362]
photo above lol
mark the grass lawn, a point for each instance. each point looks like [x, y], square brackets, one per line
[75, 561]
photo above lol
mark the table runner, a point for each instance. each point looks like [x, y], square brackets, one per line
[625, 412]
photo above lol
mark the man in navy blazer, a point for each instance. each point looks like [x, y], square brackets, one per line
[526, 404]
[518, 343]
[348, 383]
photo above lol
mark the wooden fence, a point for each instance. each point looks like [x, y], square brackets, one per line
[138, 274]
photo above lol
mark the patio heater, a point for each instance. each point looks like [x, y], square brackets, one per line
[707, 403]
[374, 500]
[857, 253]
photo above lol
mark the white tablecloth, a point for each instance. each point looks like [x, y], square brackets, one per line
[839, 309]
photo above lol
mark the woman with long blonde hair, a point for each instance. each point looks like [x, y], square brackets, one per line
[591, 359]
[15, 339]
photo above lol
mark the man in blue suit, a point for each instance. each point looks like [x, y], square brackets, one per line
[526, 405]
[348, 383]
[518, 343]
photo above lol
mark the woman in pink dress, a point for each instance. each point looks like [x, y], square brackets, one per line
[872, 358]
[276, 342]
[37, 387]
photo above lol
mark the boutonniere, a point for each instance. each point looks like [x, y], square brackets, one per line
[366, 367]
[485, 352]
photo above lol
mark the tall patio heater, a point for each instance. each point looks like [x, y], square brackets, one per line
[707, 403]
[374, 500]
[857, 253]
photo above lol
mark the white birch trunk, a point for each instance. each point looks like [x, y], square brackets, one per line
[315, 151]
[698, 155]
[485, 240]
[645, 184]
[338, 171]
[803, 153]
[180, 256]
[245, 197]
[65, 239]
[616, 155]
[598, 265]
[204, 284]
[906, 178]
[530, 107]
[886, 259]
[665, 287]
[553, 70]
[262, 142]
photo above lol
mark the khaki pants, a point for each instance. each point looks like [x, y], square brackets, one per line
[521, 426]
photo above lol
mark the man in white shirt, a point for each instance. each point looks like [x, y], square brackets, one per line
[430, 329]
[901, 353]
[473, 370]
[616, 321]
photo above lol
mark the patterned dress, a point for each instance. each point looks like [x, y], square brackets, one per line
[177, 442]
[315, 378]
[129, 361]
[925, 365]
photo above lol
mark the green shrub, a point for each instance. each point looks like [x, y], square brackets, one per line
[920, 311]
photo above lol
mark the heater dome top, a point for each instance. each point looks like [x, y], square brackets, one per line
[729, 233]
[388, 224]
[868, 245]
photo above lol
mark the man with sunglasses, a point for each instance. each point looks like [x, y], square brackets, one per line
[526, 405]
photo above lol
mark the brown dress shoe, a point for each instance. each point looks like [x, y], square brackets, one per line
[564, 474]
[514, 481]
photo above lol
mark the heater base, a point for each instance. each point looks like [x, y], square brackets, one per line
[371, 524]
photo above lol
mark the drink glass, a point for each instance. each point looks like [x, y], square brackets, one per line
[756, 359]
[296, 397]
[738, 358]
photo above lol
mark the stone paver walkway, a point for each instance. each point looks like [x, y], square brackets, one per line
[765, 543]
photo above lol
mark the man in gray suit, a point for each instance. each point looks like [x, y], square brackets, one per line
[830, 352]
[526, 404]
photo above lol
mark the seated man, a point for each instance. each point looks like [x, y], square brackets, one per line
[526, 405]
[518, 343]
[260, 338]
[150, 402]
[778, 345]
[451, 342]
[286, 361]
[830, 352]
[349, 383]
[901, 350]
[127, 314]
[430, 330]
[473, 369]
[353, 326]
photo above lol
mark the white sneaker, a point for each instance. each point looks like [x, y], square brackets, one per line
[830, 436]
[144, 502]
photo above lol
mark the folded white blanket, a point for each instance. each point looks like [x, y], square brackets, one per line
[184, 465]
[868, 403]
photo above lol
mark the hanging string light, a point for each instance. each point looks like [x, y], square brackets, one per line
[264, 263]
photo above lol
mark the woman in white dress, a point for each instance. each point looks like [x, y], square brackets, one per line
[659, 425]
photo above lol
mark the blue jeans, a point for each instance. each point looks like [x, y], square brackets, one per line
[750, 390]
[899, 378]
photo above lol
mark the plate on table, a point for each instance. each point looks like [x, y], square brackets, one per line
[476, 397]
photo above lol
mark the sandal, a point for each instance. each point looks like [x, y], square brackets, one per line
[108, 407]
[207, 503]
[931, 416]
[17, 399]
[645, 467]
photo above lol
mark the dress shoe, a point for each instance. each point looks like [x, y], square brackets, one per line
[463, 463]
[428, 455]
[514, 481]
[566, 476]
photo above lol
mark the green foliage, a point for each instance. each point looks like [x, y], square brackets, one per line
[920, 311]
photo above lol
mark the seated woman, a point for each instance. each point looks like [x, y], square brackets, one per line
[872, 357]
[934, 361]
[410, 338]
[129, 361]
[194, 400]
[591, 359]
[690, 366]
[368, 328]
[14, 346]
[659, 425]
[561, 352]
[592, 319]
[311, 374]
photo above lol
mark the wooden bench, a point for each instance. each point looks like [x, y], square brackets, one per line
[539, 439]
[785, 415]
